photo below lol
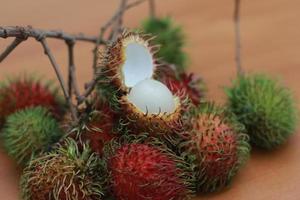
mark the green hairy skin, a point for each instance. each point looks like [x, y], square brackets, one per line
[265, 107]
[29, 132]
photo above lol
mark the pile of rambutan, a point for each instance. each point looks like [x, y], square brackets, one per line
[146, 132]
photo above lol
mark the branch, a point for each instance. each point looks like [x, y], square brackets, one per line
[89, 88]
[72, 81]
[119, 23]
[28, 31]
[238, 37]
[10, 48]
[152, 8]
[59, 75]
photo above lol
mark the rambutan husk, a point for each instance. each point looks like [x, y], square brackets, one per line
[110, 75]
[216, 145]
[24, 92]
[66, 173]
[142, 167]
[159, 124]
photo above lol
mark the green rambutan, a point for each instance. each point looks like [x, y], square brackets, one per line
[171, 39]
[216, 146]
[28, 132]
[265, 107]
[65, 173]
[24, 92]
[148, 170]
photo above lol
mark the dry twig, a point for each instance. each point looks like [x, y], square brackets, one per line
[237, 37]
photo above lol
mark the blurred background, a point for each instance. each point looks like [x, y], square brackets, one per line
[270, 44]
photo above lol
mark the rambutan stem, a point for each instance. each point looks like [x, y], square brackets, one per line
[238, 45]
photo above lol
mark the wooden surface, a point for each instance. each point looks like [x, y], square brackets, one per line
[271, 44]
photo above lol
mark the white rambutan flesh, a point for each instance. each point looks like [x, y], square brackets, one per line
[138, 63]
[152, 97]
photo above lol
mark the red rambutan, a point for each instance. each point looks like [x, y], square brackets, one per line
[143, 171]
[187, 84]
[25, 92]
[97, 128]
[217, 146]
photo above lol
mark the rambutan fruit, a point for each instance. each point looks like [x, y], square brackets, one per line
[141, 171]
[25, 92]
[216, 145]
[151, 107]
[126, 81]
[187, 83]
[171, 39]
[125, 62]
[65, 173]
[182, 84]
[265, 107]
[97, 129]
[28, 132]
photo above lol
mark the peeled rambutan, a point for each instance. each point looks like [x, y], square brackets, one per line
[151, 107]
[216, 146]
[65, 173]
[265, 107]
[144, 171]
[28, 132]
[25, 92]
[171, 39]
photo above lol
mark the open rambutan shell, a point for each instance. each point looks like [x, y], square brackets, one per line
[160, 123]
[128, 60]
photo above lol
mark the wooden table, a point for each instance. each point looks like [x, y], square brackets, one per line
[271, 44]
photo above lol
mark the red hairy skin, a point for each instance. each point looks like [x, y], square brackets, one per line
[99, 129]
[21, 94]
[143, 172]
[218, 149]
[99, 132]
[187, 84]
